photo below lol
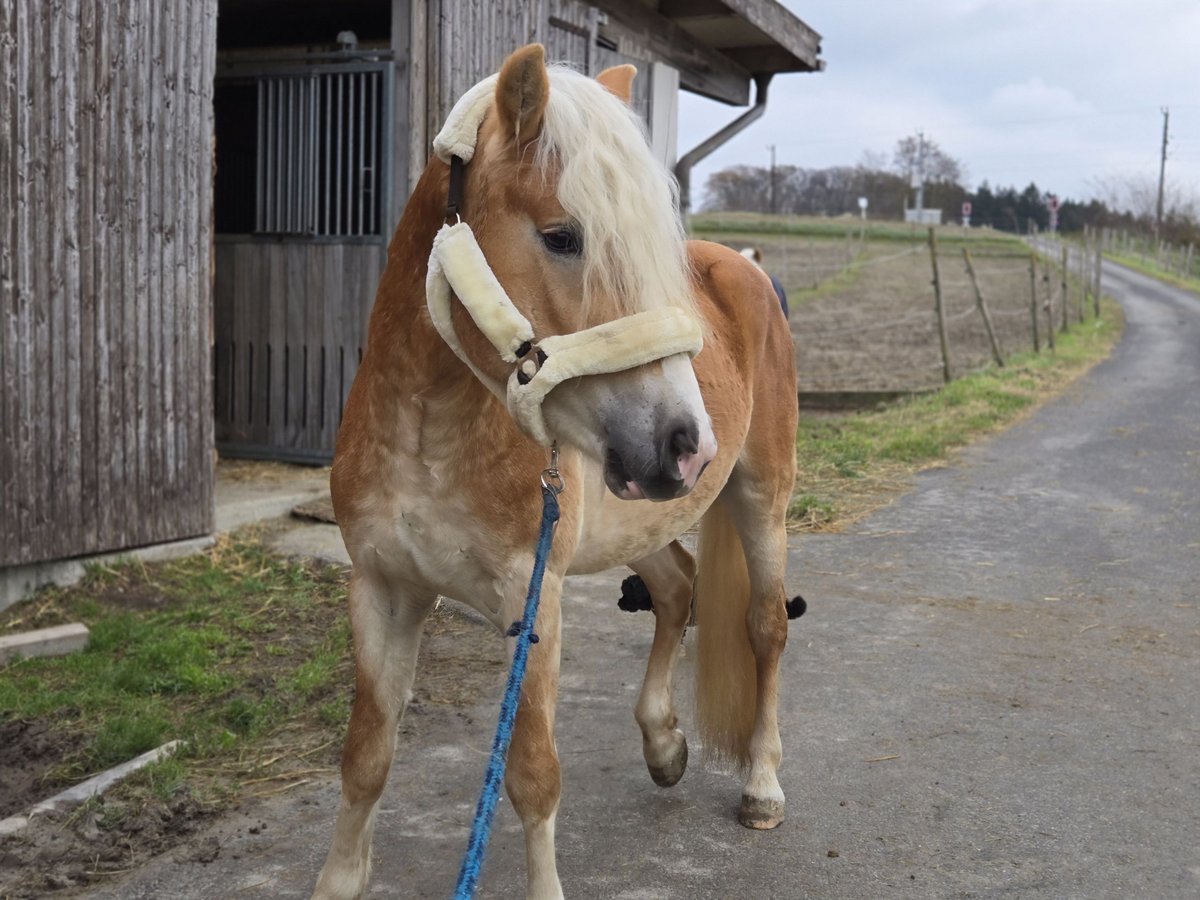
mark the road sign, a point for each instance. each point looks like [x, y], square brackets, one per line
[966, 208]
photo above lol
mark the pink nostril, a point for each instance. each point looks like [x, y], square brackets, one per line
[692, 464]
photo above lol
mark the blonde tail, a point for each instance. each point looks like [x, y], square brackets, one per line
[726, 676]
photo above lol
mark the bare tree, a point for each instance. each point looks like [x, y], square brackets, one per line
[937, 164]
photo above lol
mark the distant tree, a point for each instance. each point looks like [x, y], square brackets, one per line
[936, 164]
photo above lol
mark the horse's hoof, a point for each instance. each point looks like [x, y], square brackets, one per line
[669, 775]
[761, 815]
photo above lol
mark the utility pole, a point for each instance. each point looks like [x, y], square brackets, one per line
[1162, 174]
[772, 189]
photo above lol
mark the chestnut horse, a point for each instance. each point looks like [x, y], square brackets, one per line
[436, 485]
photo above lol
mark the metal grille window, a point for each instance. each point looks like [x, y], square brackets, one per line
[315, 164]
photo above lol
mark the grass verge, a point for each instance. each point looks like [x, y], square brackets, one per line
[852, 464]
[1151, 268]
[243, 655]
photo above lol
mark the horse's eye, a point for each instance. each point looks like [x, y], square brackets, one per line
[562, 241]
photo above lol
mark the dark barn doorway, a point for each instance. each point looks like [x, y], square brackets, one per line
[304, 124]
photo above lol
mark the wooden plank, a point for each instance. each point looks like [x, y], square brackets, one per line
[224, 276]
[125, 332]
[276, 338]
[330, 262]
[8, 280]
[203, 41]
[403, 51]
[22, 406]
[107, 377]
[169, 113]
[294, 273]
[701, 68]
[85, 383]
[150, 224]
[315, 340]
[58, 640]
[418, 100]
[776, 21]
[42, 309]
[71, 517]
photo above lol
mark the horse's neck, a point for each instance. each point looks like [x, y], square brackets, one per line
[413, 377]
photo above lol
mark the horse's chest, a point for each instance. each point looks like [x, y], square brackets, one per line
[431, 541]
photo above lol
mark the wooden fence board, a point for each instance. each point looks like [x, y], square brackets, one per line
[105, 261]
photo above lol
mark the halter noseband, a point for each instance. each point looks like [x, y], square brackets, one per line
[458, 268]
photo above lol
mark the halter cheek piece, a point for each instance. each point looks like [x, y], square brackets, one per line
[458, 268]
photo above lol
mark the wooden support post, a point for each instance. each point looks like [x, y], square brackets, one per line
[941, 312]
[1048, 307]
[1063, 289]
[983, 310]
[1033, 310]
[1096, 285]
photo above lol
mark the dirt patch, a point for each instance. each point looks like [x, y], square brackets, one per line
[29, 754]
[57, 852]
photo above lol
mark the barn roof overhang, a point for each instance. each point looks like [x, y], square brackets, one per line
[719, 47]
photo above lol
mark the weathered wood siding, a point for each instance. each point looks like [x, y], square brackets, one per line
[291, 325]
[105, 255]
[466, 40]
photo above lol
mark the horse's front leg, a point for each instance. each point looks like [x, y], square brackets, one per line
[386, 623]
[533, 777]
[668, 575]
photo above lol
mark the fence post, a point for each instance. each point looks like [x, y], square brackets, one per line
[1063, 291]
[941, 312]
[983, 310]
[1048, 306]
[1033, 300]
[1096, 288]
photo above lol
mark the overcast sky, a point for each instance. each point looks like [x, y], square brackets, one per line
[1064, 93]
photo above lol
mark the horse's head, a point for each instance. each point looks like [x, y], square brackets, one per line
[579, 224]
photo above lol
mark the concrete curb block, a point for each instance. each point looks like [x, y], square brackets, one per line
[58, 640]
[19, 582]
[94, 786]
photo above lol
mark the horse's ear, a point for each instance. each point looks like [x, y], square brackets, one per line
[619, 80]
[522, 92]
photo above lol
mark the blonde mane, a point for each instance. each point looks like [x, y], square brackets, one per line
[625, 200]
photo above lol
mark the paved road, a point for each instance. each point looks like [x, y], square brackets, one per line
[996, 692]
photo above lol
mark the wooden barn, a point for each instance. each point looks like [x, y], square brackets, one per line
[195, 202]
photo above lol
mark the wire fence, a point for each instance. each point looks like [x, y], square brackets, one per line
[912, 319]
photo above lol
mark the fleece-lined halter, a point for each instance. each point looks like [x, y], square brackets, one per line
[457, 267]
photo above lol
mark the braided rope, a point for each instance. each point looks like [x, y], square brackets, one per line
[481, 828]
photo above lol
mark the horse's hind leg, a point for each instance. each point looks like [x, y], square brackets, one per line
[533, 777]
[387, 626]
[668, 575]
[758, 510]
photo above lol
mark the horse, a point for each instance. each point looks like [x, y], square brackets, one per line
[435, 476]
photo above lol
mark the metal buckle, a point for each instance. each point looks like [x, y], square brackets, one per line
[552, 480]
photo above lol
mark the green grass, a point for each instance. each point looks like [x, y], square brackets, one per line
[1151, 268]
[219, 650]
[852, 463]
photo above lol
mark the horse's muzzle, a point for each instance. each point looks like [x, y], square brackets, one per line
[667, 469]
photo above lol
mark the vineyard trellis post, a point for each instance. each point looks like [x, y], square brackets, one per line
[1048, 307]
[941, 312]
[983, 310]
[1063, 291]
[1033, 304]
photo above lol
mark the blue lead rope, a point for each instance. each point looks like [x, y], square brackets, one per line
[481, 828]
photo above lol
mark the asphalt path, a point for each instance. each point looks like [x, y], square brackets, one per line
[995, 692]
